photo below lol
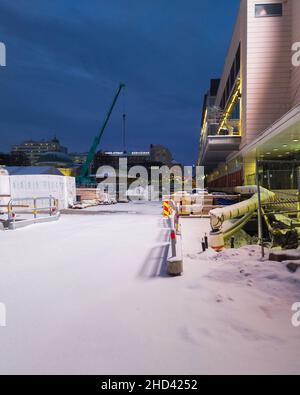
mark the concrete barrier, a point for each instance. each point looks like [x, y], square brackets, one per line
[26, 222]
[175, 256]
[175, 264]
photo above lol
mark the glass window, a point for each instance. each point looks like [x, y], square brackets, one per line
[232, 75]
[238, 60]
[265, 10]
[227, 90]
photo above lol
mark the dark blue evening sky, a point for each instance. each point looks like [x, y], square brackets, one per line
[65, 59]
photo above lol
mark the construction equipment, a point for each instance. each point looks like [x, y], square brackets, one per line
[83, 178]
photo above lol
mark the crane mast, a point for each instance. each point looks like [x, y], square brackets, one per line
[83, 178]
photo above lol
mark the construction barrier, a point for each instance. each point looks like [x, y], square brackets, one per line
[175, 258]
[191, 205]
[42, 209]
[166, 209]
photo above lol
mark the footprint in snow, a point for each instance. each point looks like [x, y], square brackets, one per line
[219, 299]
[191, 256]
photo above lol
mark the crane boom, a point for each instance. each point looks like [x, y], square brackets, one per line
[83, 177]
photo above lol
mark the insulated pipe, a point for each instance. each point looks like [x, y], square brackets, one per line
[219, 215]
[237, 226]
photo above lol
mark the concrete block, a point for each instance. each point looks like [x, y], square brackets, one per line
[175, 264]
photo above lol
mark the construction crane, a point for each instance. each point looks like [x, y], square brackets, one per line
[83, 178]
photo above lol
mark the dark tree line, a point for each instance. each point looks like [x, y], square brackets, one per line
[14, 159]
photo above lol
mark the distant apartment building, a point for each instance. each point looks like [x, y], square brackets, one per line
[35, 149]
[253, 111]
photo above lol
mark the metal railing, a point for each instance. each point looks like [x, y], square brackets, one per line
[31, 206]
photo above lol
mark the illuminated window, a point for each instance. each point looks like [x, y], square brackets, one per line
[266, 10]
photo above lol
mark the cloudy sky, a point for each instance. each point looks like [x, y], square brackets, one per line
[65, 59]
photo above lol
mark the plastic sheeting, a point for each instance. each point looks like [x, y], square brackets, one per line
[4, 188]
[27, 186]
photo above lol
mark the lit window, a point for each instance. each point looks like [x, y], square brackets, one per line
[265, 10]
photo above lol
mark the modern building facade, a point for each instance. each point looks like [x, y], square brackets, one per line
[34, 149]
[158, 155]
[107, 158]
[152, 160]
[255, 112]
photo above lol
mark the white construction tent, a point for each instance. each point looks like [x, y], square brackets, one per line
[28, 182]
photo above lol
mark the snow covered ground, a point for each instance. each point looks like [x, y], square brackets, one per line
[89, 294]
[247, 305]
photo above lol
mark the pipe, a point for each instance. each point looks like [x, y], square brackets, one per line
[220, 215]
[237, 226]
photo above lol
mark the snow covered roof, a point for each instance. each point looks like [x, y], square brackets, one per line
[32, 170]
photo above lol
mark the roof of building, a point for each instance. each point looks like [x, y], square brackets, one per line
[32, 170]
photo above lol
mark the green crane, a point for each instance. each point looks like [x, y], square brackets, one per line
[83, 178]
